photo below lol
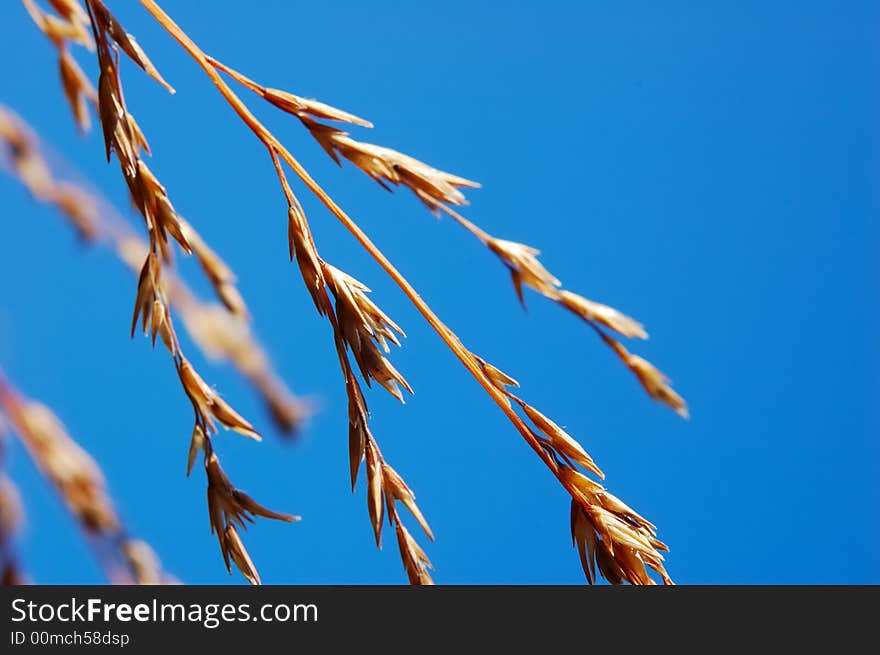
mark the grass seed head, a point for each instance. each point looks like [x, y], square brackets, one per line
[524, 267]
[366, 330]
[375, 485]
[415, 561]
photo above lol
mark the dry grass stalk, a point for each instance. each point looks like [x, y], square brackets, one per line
[80, 484]
[438, 190]
[623, 543]
[221, 335]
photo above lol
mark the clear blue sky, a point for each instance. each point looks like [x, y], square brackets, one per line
[710, 168]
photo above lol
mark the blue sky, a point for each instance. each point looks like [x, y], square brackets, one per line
[709, 168]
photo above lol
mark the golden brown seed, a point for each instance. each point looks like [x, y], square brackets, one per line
[240, 556]
[374, 490]
[604, 315]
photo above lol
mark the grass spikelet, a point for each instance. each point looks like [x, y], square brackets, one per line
[228, 507]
